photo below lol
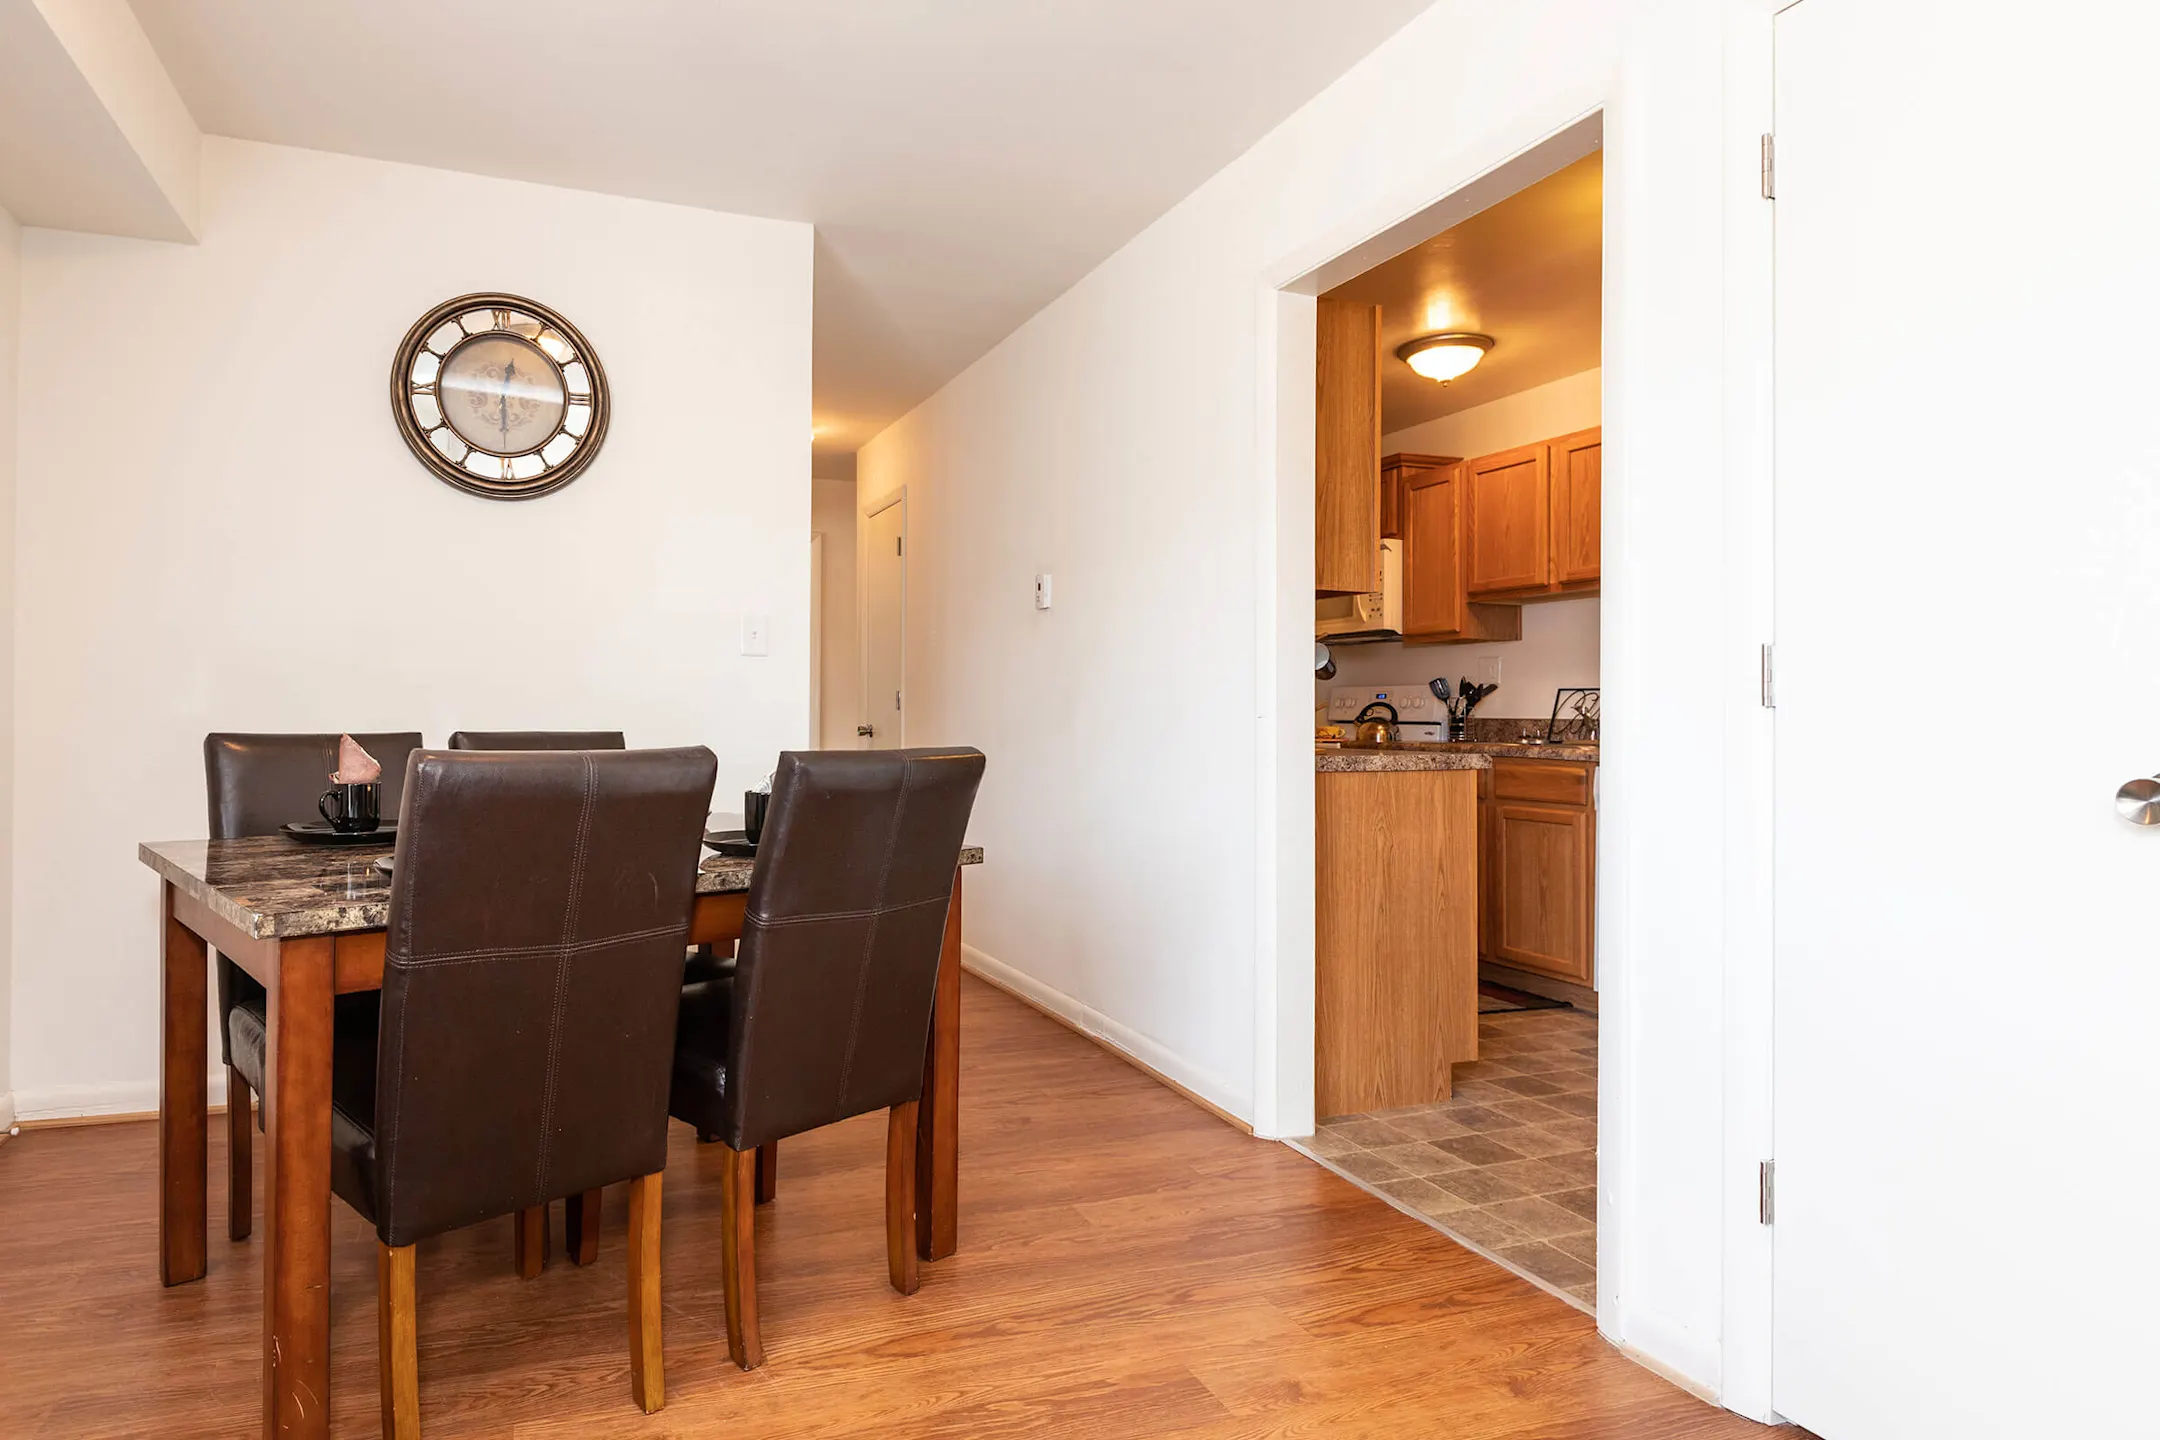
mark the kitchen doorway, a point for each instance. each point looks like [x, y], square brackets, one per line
[884, 622]
[1458, 567]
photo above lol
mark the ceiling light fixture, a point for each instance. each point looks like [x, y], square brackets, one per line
[1445, 357]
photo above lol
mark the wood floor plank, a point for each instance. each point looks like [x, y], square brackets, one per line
[1129, 1267]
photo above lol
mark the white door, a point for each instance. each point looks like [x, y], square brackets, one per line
[884, 624]
[1967, 667]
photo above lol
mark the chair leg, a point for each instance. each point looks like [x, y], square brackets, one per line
[397, 1316]
[581, 1228]
[529, 1239]
[648, 1384]
[239, 1155]
[738, 1256]
[768, 1171]
[900, 1261]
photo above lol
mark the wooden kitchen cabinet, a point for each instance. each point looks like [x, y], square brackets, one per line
[1576, 463]
[1509, 513]
[1537, 833]
[1533, 519]
[1436, 604]
[1395, 937]
[1346, 451]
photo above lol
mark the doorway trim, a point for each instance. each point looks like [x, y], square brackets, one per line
[867, 510]
[1735, 1362]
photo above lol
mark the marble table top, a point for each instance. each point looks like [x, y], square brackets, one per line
[270, 887]
[1352, 760]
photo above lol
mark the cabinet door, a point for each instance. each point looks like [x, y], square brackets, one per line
[1346, 454]
[1430, 505]
[1509, 508]
[1577, 493]
[1542, 856]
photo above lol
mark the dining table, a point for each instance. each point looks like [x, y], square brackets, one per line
[308, 922]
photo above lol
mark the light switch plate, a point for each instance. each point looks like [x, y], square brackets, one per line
[1042, 592]
[1488, 670]
[756, 634]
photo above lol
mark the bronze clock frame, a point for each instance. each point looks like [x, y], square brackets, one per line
[504, 313]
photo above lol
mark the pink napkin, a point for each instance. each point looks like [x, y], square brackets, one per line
[354, 765]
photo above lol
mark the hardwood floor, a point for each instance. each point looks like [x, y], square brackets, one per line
[1128, 1266]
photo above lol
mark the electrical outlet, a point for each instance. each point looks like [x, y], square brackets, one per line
[756, 634]
[1488, 670]
[1042, 592]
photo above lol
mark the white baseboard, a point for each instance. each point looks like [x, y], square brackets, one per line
[76, 1102]
[1644, 1337]
[1209, 1088]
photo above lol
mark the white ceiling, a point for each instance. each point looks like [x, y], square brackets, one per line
[1527, 271]
[964, 162]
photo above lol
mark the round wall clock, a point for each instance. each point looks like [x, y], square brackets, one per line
[500, 396]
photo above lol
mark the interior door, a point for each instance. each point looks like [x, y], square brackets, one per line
[1967, 666]
[884, 626]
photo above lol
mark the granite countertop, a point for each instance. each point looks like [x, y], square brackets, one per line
[270, 887]
[1513, 750]
[1355, 759]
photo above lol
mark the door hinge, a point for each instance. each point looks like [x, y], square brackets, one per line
[1769, 677]
[1766, 1193]
[896, 699]
[1769, 167]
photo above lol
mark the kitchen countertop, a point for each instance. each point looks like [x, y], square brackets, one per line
[1502, 749]
[1354, 759]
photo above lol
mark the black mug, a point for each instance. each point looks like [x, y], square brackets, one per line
[753, 814]
[352, 809]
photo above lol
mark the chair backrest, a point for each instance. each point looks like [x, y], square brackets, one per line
[845, 921]
[537, 740]
[258, 783]
[538, 912]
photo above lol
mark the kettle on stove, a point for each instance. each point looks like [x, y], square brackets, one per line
[1377, 728]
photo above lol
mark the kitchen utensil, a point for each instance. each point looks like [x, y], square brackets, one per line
[1439, 689]
[1374, 728]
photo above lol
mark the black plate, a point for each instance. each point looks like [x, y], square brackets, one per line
[731, 843]
[318, 832]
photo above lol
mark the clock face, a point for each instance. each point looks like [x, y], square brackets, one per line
[500, 396]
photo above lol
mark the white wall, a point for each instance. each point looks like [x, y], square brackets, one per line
[1140, 806]
[1559, 645]
[10, 334]
[220, 528]
[832, 514]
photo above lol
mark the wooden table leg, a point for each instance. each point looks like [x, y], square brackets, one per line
[183, 1102]
[937, 1136]
[296, 1194]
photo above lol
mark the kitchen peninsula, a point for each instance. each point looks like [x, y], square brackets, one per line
[1396, 925]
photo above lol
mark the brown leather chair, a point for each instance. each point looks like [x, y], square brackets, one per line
[258, 783]
[701, 962]
[828, 1014]
[531, 976]
[537, 740]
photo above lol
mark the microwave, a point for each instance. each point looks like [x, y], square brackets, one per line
[1346, 619]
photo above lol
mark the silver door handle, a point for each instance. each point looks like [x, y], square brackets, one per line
[2139, 801]
[866, 729]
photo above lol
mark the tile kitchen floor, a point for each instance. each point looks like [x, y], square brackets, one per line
[1509, 1162]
